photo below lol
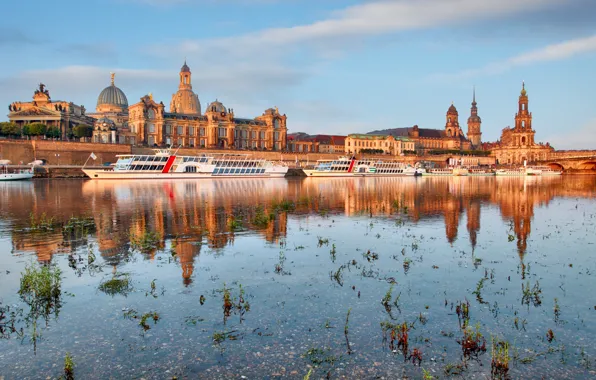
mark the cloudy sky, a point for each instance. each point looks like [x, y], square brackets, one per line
[333, 66]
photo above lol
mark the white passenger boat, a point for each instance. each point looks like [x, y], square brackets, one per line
[166, 165]
[528, 171]
[544, 170]
[480, 171]
[450, 171]
[7, 174]
[366, 167]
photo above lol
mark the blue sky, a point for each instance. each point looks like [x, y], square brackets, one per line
[332, 66]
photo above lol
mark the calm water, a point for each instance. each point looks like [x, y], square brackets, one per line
[440, 241]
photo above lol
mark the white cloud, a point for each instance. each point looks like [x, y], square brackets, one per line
[368, 19]
[554, 52]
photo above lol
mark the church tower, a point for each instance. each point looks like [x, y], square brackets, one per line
[523, 121]
[185, 101]
[474, 121]
[452, 122]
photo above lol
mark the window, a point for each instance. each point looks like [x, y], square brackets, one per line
[191, 142]
[180, 141]
[201, 131]
[168, 129]
[276, 123]
[203, 143]
[254, 134]
[222, 132]
[180, 130]
[151, 140]
[191, 131]
[262, 135]
[151, 128]
[276, 136]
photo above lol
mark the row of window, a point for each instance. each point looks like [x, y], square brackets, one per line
[219, 171]
[239, 164]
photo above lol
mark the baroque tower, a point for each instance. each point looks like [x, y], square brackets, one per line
[474, 121]
[452, 122]
[523, 133]
[185, 101]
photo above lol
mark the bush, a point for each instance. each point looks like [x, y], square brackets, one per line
[372, 151]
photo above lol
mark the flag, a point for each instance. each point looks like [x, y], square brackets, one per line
[93, 156]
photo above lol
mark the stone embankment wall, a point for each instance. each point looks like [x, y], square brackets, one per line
[59, 152]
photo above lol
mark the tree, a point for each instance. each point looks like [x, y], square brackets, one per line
[82, 131]
[53, 133]
[37, 129]
[9, 128]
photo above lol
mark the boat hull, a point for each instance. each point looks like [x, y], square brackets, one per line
[113, 174]
[314, 173]
[15, 176]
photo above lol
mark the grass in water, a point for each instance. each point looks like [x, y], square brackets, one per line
[146, 242]
[119, 284]
[68, 367]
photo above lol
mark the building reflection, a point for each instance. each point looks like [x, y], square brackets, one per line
[189, 215]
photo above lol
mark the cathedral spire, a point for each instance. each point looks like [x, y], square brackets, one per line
[474, 95]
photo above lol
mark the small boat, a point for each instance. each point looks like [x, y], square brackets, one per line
[544, 170]
[166, 165]
[7, 174]
[351, 167]
[529, 171]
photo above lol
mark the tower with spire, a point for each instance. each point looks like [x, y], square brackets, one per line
[474, 122]
[185, 101]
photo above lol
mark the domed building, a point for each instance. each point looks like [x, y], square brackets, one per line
[218, 127]
[112, 105]
[112, 99]
[185, 101]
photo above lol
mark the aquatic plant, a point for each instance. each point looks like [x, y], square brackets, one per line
[322, 241]
[557, 311]
[78, 226]
[550, 335]
[406, 264]
[478, 291]
[43, 223]
[472, 342]
[261, 219]
[416, 356]
[531, 295]
[426, 375]
[234, 304]
[333, 253]
[337, 275]
[462, 309]
[500, 359]
[145, 317]
[346, 330]
[387, 297]
[318, 356]
[396, 332]
[234, 223]
[284, 205]
[145, 242]
[453, 369]
[8, 318]
[307, 376]
[68, 367]
[119, 284]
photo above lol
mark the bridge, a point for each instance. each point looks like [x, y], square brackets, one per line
[571, 160]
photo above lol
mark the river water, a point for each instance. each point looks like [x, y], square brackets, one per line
[268, 278]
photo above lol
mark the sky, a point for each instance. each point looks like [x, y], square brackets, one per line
[332, 66]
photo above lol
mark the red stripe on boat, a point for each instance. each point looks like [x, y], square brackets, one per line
[169, 164]
[351, 165]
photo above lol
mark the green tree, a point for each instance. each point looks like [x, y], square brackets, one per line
[37, 129]
[53, 132]
[82, 131]
[26, 130]
[9, 128]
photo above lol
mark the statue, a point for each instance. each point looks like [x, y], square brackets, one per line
[276, 109]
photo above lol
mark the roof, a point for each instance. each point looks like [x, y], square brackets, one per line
[405, 132]
[112, 95]
[330, 139]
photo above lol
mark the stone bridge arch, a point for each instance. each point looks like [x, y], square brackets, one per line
[555, 166]
[587, 165]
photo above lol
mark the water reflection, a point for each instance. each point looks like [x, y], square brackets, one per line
[196, 213]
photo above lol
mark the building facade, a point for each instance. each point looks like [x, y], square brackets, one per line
[53, 113]
[517, 145]
[149, 123]
[392, 145]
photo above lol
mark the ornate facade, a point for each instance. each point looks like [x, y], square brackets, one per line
[517, 145]
[148, 123]
[52, 113]
[355, 143]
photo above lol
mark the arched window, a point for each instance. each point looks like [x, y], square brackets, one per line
[523, 124]
[523, 140]
[449, 132]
